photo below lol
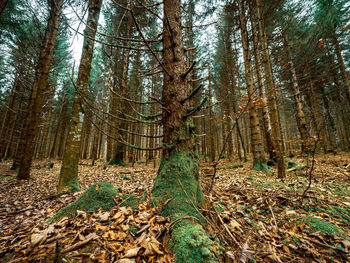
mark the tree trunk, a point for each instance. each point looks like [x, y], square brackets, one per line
[265, 109]
[177, 187]
[299, 112]
[341, 63]
[119, 150]
[256, 140]
[30, 128]
[211, 124]
[3, 4]
[272, 98]
[69, 170]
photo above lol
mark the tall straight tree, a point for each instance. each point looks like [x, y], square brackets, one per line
[68, 181]
[119, 151]
[257, 146]
[299, 112]
[30, 129]
[265, 109]
[272, 97]
[177, 187]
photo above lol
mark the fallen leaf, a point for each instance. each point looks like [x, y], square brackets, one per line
[131, 253]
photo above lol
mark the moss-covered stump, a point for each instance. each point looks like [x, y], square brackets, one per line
[178, 192]
[98, 195]
[115, 161]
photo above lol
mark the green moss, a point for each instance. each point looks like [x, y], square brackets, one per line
[14, 167]
[177, 185]
[342, 212]
[70, 183]
[191, 244]
[234, 166]
[3, 176]
[134, 230]
[319, 224]
[292, 164]
[98, 195]
[133, 200]
[260, 166]
[114, 161]
[124, 177]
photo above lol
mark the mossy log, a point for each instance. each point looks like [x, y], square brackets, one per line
[178, 192]
[98, 195]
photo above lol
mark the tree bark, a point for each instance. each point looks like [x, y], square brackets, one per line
[299, 112]
[256, 140]
[3, 4]
[177, 187]
[265, 108]
[119, 150]
[68, 181]
[30, 129]
[341, 64]
[272, 98]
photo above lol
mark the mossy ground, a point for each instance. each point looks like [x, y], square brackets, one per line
[319, 224]
[191, 244]
[114, 161]
[98, 195]
[133, 200]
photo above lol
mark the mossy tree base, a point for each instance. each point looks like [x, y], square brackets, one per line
[191, 244]
[260, 166]
[115, 161]
[68, 181]
[98, 195]
[178, 192]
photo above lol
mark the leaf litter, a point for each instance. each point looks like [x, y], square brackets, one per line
[257, 217]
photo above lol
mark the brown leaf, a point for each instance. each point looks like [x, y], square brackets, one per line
[131, 253]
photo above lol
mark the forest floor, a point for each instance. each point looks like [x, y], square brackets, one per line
[257, 217]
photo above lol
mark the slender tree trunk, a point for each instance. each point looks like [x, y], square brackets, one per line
[26, 146]
[341, 64]
[299, 112]
[265, 109]
[69, 170]
[119, 150]
[317, 118]
[257, 147]
[44, 144]
[7, 118]
[272, 98]
[3, 4]
[211, 124]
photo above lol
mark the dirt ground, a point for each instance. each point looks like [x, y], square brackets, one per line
[257, 217]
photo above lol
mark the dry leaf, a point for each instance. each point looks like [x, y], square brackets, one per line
[246, 254]
[131, 253]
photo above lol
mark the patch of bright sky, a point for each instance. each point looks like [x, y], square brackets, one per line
[75, 16]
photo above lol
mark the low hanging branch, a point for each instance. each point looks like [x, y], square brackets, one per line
[130, 100]
[147, 44]
[121, 141]
[197, 108]
[193, 93]
[130, 120]
[147, 117]
[188, 71]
